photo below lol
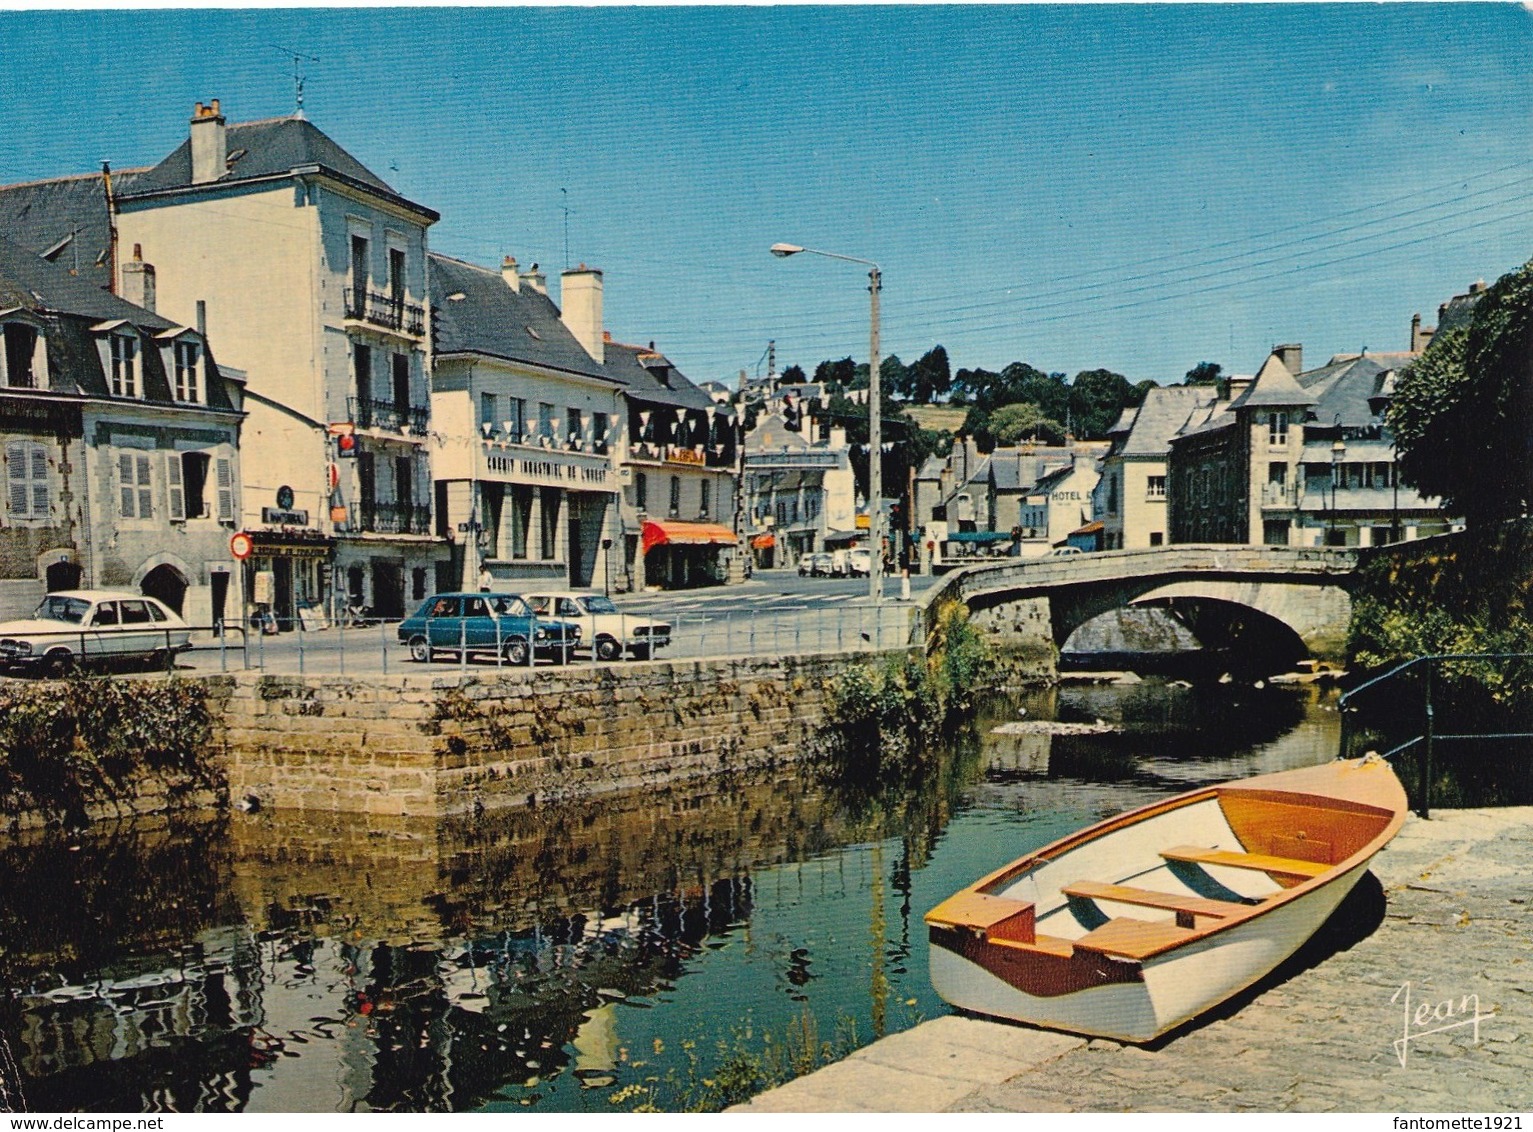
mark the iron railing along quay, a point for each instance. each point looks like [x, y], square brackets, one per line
[1430, 671]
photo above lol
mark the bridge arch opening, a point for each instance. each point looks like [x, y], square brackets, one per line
[1187, 636]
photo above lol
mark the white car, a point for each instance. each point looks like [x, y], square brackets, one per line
[1065, 551]
[94, 627]
[859, 562]
[605, 627]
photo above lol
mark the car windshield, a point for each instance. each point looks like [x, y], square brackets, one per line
[598, 604]
[55, 608]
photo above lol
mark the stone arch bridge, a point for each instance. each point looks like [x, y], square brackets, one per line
[1268, 598]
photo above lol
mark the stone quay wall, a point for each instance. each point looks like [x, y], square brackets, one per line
[437, 745]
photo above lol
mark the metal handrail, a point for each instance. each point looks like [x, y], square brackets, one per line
[1428, 736]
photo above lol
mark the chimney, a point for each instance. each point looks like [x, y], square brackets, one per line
[1291, 354]
[1421, 337]
[535, 280]
[580, 299]
[209, 145]
[509, 273]
[138, 280]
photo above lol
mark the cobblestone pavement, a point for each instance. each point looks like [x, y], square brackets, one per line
[1448, 915]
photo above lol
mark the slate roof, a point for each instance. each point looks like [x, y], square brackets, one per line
[1455, 313]
[27, 280]
[1272, 387]
[1017, 469]
[493, 320]
[267, 148]
[1125, 420]
[639, 367]
[39, 215]
[772, 434]
[1343, 390]
[1165, 410]
[73, 306]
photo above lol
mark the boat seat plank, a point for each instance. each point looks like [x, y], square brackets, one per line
[1145, 898]
[1283, 866]
[990, 917]
[1133, 939]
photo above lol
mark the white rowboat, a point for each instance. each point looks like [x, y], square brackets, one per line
[1135, 925]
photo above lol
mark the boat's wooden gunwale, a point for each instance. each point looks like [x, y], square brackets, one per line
[1396, 818]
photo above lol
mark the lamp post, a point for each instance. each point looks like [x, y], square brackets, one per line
[875, 437]
[1338, 451]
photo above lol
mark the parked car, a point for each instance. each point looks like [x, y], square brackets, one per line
[838, 564]
[95, 628]
[604, 626]
[815, 565]
[500, 624]
[1065, 551]
[859, 562]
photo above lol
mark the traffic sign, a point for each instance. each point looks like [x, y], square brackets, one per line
[241, 545]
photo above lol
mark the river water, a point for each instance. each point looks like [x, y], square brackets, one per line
[677, 950]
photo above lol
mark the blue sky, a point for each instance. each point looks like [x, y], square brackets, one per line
[1137, 187]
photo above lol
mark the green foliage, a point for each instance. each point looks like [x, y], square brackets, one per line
[1204, 373]
[65, 746]
[882, 719]
[1024, 421]
[1097, 397]
[1462, 414]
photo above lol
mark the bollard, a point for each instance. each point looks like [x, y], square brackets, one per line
[904, 585]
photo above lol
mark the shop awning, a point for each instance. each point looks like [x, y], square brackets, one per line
[978, 536]
[674, 532]
[764, 542]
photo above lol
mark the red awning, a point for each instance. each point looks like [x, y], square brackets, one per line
[764, 542]
[656, 533]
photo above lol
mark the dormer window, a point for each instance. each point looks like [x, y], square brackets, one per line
[22, 364]
[187, 358]
[124, 378]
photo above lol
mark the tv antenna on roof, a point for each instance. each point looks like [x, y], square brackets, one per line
[564, 199]
[299, 58]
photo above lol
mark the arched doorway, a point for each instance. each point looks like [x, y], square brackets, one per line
[167, 585]
[63, 576]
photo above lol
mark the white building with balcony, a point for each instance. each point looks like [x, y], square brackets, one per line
[310, 273]
[526, 426]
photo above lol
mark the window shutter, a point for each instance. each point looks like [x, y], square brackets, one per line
[145, 489]
[225, 490]
[175, 490]
[125, 485]
[16, 478]
[40, 493]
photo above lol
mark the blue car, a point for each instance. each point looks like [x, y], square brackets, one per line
[498, 624]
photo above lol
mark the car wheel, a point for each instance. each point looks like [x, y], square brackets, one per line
[515, 651]
[420, 650]
[59, 662]
[608, 649]
[641, 652]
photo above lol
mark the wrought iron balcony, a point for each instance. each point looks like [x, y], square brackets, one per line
[378, 308]
[395, 518]
[388, 416]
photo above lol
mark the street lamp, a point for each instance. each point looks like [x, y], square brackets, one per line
[1338, 452]
[875, 437]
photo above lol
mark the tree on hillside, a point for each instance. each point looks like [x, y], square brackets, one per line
[842, 373]
[893, 377]
[793, 375]
[1462, 413]
[929, 378]
[1024, 421]
[1097, 397]
[1204, 373]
